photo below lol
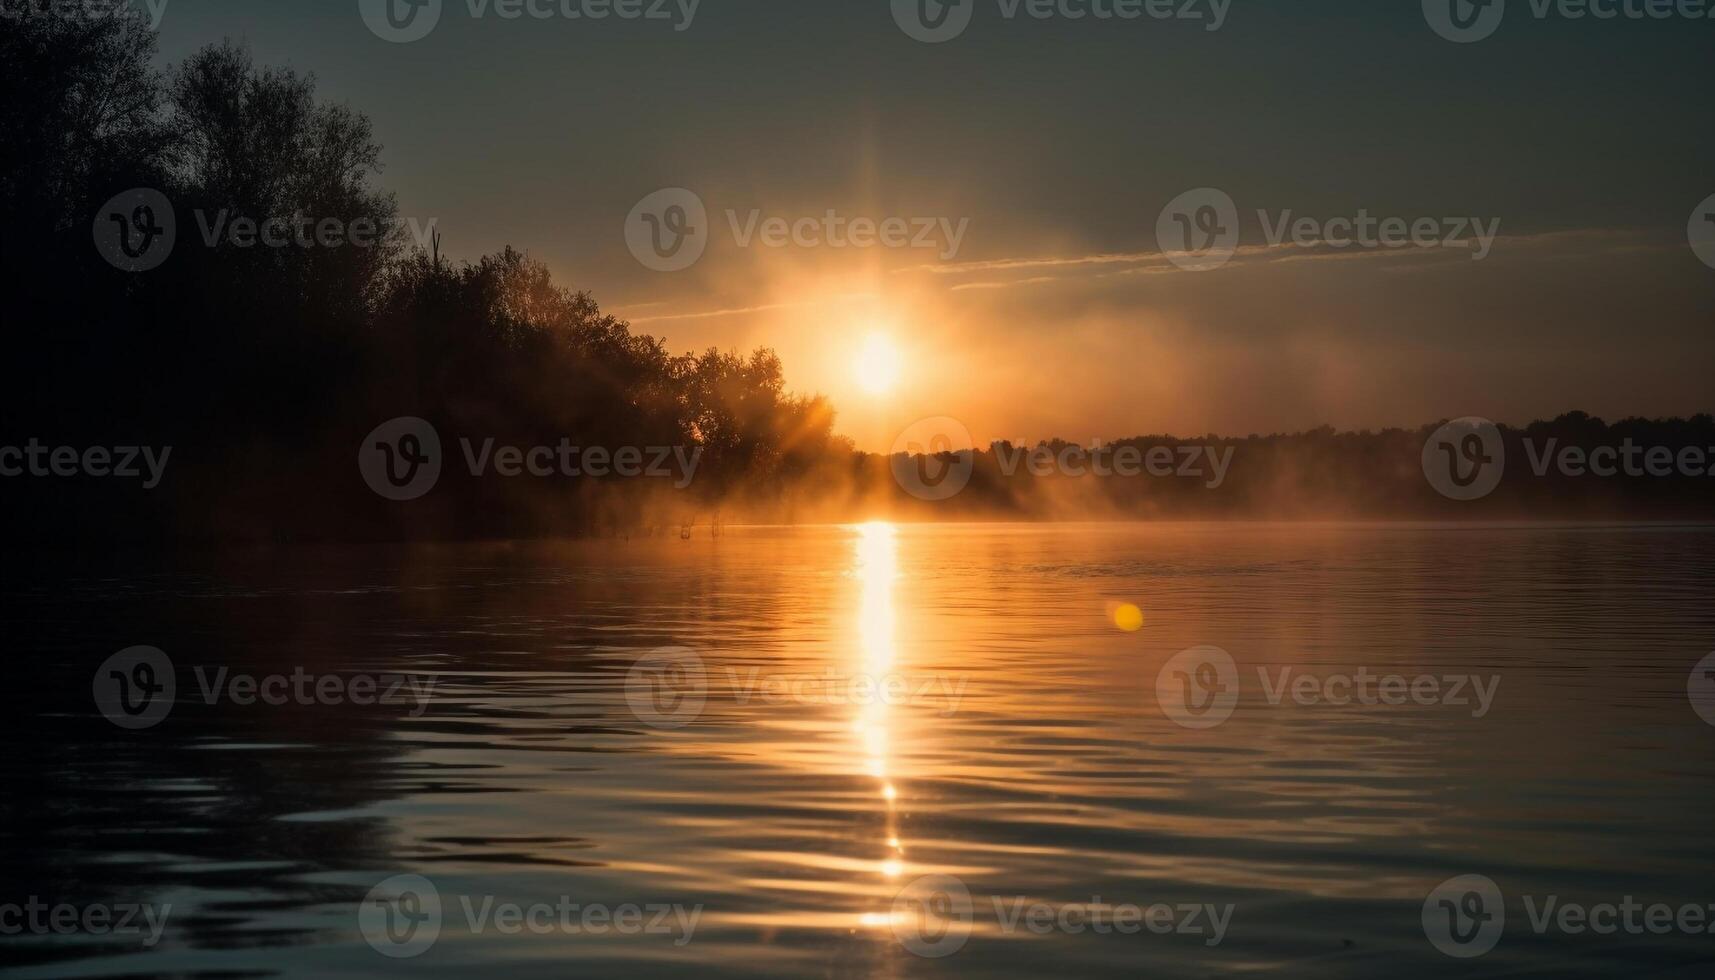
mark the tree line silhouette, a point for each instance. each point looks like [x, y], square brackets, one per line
[1330, 475]
[264, 367]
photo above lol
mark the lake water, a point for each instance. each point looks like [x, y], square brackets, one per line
[875, 751]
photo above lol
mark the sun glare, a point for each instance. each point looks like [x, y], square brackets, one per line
[878, 365]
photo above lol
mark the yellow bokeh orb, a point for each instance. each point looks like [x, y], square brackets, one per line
[1128, 617]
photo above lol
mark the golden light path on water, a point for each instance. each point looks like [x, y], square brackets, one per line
[877, 568]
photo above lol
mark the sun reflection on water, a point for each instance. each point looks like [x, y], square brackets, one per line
[877, 570]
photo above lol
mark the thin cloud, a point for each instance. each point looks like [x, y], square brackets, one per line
[744, 310]
[1598, 240]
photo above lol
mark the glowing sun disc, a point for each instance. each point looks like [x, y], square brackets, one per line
[878, 365]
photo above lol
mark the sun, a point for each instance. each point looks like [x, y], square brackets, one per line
[878, 365]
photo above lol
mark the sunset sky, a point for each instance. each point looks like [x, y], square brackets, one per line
[1058, 316]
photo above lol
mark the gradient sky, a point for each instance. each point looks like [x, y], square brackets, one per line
[1061, 142]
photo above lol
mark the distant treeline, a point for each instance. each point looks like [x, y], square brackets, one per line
[1576, 467]
[263, 368]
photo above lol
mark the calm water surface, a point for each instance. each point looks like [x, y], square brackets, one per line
[1021, 749]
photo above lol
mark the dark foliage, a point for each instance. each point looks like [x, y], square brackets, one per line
[263, 367]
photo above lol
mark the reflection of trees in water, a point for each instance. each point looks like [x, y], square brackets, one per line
[245, 803]
[95, 814]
